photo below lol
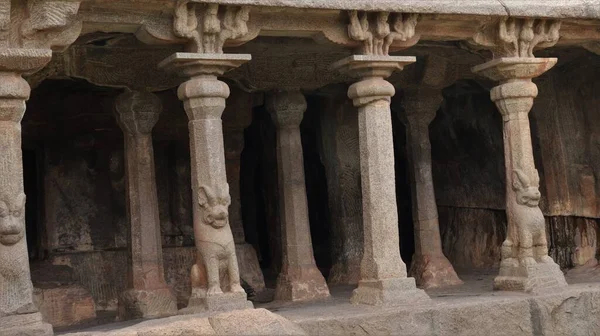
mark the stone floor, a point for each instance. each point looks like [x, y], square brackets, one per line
[469, 309]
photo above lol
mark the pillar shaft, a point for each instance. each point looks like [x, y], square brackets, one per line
[147, 295]
[145, 248]
[300, 279]
[429, 265]
[383, 277]
[525, 262]
[381, 256]
[341, 157]
[18, 314]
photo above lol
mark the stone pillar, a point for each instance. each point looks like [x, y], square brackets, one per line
[429, 267]
[204, 101]
[383, 278]
[525, 262]
[147, 294]
[235, 120]
[18, 314]
[341, 157]
[300, 279]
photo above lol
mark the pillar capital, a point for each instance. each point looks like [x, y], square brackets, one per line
[138, 112]
[372, 70]
[203, 94]
[287, 108]
[515, 93]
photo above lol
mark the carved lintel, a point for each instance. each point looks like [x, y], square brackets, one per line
[516, 37]
[376, 33]
[208, 27]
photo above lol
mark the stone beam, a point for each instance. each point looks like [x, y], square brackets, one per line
[576, 9]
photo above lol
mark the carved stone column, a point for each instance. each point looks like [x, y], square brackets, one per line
[206, 28]
[204, 101]
[525, 262]
[300, 279]
[429, 265]
[18, 315]
[147, 295]
[383, 279]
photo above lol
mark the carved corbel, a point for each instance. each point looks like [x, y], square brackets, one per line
[31, 29]
[48, 24]
[206, 27]
[376, 33]
[516, 37]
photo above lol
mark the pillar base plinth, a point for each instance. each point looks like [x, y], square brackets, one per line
[389, 292]
[301, 284]
[199, 302]
[433, 271]
[141, 303]
[533, 279]
[25, 325]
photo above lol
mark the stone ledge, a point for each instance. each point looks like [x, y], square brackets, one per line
[573, 311]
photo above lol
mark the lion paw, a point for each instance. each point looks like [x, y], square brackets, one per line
[236, 288]
[215, 290]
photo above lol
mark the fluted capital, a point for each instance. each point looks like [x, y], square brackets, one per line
[137, 111]
[287, 108]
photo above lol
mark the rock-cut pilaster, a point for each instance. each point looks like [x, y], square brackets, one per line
[147, 294]
[300, 279]
[429, 266]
